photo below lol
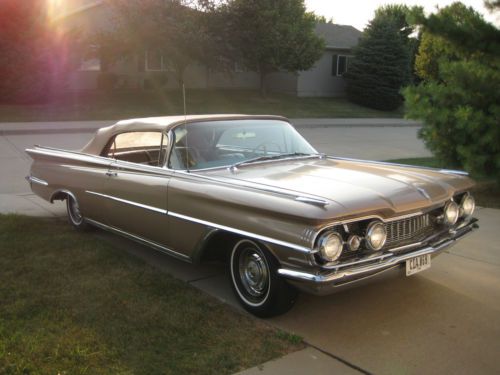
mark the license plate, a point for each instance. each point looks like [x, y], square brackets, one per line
[417, 264]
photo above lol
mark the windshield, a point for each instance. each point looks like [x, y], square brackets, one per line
[224, 143]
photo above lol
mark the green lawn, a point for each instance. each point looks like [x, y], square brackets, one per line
[71, 304]
[486, 193]
[120, 105]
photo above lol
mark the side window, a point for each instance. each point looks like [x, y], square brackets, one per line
[340, 64]
[139, 147]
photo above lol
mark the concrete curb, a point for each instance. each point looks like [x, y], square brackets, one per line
[21, 128]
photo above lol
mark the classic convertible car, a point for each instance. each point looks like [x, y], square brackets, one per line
[252, 191]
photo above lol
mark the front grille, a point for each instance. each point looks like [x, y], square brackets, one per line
[405, 230]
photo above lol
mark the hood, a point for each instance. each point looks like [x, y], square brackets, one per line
[353, 187]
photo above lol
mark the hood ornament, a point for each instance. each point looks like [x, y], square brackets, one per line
[424, 193]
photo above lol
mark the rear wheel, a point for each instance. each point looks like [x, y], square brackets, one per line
[75, 216]
[256, 283]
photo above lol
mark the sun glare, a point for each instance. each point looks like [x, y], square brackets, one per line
[55, 8]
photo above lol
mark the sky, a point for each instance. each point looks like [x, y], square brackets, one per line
[359, 12]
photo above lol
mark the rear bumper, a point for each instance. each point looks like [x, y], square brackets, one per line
[330, 281]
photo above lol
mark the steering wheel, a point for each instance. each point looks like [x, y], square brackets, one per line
[263, 147]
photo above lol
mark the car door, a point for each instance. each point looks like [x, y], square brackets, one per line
[136, 187]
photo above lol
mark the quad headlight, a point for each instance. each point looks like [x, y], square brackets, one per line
[451, 213]
[467, 205]
[330, 246]
[376, 235]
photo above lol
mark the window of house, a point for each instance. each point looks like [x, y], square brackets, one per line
[138, 147]
[155, 61]
[340, 64]
[90, 61]
[90, 64]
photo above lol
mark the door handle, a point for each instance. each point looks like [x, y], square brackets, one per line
[111, 174]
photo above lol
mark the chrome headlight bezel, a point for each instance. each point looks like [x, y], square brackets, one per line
[371, 231]
[451, 213]
[330, 246]
[467, 205]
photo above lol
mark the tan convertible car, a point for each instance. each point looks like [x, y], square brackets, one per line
[252, 191]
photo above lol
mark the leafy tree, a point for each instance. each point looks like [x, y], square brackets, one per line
[173, 28]
[33, 58]
[492, 4]
[381, 64]
[459, 100]
[272, 36]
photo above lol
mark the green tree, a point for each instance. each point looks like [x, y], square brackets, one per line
[459, 100]
[272, 36]
[175, 29]
[381, 64]
[33, 59]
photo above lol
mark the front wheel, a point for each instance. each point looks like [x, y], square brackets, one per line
[256, 283]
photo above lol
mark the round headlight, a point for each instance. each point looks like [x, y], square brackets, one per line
[467, 205]
[451, 213]
[330, 246]
[376, 235]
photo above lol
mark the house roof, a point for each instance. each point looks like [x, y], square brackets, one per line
[338, 36]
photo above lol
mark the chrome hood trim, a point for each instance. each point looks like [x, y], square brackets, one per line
[350, 188]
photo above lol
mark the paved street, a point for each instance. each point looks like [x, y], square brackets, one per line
[444, 320]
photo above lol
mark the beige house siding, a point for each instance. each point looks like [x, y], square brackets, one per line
[283, 82]
[132, 73]
[321, 80]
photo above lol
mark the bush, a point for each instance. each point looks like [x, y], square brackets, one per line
[462, 117]
[459, 100]
[380, 67]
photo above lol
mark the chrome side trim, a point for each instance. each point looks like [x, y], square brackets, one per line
[204, 222]
[37, 181]
[141, 240]
[298, 196]
[131, 203]
[241, 232]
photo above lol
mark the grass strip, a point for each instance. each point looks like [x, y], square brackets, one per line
[122, 105]
[73, 304]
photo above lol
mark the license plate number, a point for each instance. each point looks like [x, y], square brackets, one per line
[417, 264]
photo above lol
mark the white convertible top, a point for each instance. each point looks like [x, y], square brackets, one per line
[164, 123]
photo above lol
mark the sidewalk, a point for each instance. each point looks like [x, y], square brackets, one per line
[48, 127]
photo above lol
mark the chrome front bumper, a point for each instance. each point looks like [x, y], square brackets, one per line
[330, 281]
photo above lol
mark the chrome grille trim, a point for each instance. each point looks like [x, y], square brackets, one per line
[407, 229]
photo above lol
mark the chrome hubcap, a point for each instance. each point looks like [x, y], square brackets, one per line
[254, 273]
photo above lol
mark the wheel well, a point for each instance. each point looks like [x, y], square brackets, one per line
[217, 246]
[61, 195]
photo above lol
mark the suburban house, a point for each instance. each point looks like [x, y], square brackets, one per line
[324, 79]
